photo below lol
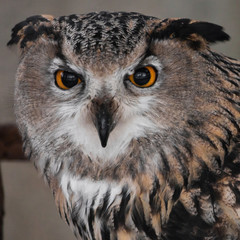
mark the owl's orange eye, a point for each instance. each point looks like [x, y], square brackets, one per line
[66, 80]
[144, 77]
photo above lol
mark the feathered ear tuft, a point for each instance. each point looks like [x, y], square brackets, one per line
[26, 32]
[196, 33]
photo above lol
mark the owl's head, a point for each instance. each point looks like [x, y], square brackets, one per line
[97, 82]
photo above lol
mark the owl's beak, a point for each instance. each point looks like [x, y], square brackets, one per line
[103, 126]
[103, 119]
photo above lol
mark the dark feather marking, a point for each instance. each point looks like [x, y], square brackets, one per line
[221, 69]
[176, 194]
[193, 122]
[29, 156]
[74, 214]
[232, 82]
[66, 218]
[120, 215]
[78, 222]
[229, 160]
[208, 58]
[181, 158]
[231, 118]
[185, 143]
[205, 137]
[155, 206]
[90, 222]
[236, 105]
[79, 230]
[30, 34]
[228, 133]
[235, 124]
[140, 221]
[236, 193]
[101, 210]
[182, 225]
[218, 161]
[105, 233]
[91, 218]
[224, 90]
[82, 229]
[224, 145]
[59, 211]
[206, 177]
[166, 200]
[45, 169]
[236, 92]
[231, 66]
[164, 159]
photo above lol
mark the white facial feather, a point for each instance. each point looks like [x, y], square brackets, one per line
[84, 134]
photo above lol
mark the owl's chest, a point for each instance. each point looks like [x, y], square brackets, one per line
[107, 210]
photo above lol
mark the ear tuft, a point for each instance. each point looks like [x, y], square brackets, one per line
[208, 31]
[26, 32]
[195, 33]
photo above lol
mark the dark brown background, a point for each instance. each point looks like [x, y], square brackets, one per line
[30, 209]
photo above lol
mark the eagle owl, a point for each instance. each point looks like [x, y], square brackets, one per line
[134, 122]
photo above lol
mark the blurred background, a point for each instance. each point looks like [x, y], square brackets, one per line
[30, 213]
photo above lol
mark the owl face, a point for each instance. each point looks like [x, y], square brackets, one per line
[106, 79]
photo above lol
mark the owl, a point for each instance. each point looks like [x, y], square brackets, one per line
[134, 123]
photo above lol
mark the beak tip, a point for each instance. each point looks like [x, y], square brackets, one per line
[103, 139]
[104, 145]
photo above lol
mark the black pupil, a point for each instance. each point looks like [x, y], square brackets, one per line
[142, 76]
[69, 79]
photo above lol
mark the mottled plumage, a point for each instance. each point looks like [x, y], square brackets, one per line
[126, 160]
